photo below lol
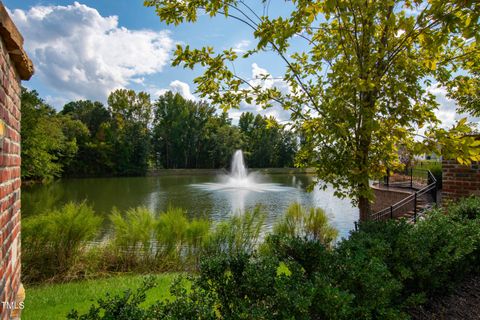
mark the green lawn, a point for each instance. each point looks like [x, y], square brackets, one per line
[54, 301]
[428, 164]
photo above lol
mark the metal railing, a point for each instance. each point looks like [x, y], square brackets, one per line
[413, 206]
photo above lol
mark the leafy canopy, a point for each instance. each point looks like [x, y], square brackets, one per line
[357, 90]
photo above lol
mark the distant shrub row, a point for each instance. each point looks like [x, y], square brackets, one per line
[380, 272]
[60, 245]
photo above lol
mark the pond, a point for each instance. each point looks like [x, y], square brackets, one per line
[197, 194]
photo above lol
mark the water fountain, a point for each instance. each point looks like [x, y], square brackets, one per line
[240, 179]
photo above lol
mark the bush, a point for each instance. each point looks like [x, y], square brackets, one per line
[440, 251]
[468, 208]
[119, 307]
[52, 242]
[380, 272]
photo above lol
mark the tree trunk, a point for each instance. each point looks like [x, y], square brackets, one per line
[365, 208]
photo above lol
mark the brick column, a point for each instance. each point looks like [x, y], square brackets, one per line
[14, 66]
[459, 180]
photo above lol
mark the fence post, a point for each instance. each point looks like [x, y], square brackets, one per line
[415, 208]
[411, 178]
[391, 212]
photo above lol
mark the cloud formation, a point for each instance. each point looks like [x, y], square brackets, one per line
[447, 109]
[80, 54]
[175, 86]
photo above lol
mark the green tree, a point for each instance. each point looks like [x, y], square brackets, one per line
[94, 156]
[358, 90]
[128, 132]
[257, 130]
[188, 134]
[92, 114]
[49, 141]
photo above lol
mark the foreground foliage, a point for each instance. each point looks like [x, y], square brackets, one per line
[58, 246]
[380, 272]
[54, 301]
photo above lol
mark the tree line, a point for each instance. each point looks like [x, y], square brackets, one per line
[132, 134]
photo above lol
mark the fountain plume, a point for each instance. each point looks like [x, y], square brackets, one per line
[239, 171]
[240, 179]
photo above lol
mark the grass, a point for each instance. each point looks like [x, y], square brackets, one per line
[54, 301]
[428, 164]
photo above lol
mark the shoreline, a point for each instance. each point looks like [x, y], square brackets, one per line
[183, 172]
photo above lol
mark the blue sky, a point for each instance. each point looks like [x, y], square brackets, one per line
[85, 49]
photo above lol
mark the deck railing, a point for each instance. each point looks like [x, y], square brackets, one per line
[413, 206]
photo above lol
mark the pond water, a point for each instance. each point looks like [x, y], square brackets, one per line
[197, 194]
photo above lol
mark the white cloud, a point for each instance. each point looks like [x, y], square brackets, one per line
[81, 54]
[261, 77]
[447, 110]
[176, 86]
[242, 46]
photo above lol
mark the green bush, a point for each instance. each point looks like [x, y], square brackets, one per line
[466, 208]
[379, 272]
[439, 252]
[52, 242]
[119, 307]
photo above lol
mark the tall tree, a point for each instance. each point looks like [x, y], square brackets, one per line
[128, 131]
[188, 134]
[49, 141]
[358, 89]
[94, 155]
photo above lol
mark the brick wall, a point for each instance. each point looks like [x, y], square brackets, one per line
[14, 66]
[460, 181]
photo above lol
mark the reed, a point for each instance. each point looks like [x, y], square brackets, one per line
[240, 233]
[52, 242]
[132, 235]
[308, 223]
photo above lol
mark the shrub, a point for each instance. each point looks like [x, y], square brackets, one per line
[468, 208]
[439, 251]
[119, 307]
[378, 273]
[196, 237]
[51, 242]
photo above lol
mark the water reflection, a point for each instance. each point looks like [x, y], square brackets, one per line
[157, 193]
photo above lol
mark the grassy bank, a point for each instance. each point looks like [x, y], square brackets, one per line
[54, 301]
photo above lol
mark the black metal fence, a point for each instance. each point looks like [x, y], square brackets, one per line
[413, 206]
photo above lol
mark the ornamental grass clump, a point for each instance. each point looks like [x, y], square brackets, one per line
[308, 223]
[52, 242]
[171, 232]
[240, 233]
[132, 236]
